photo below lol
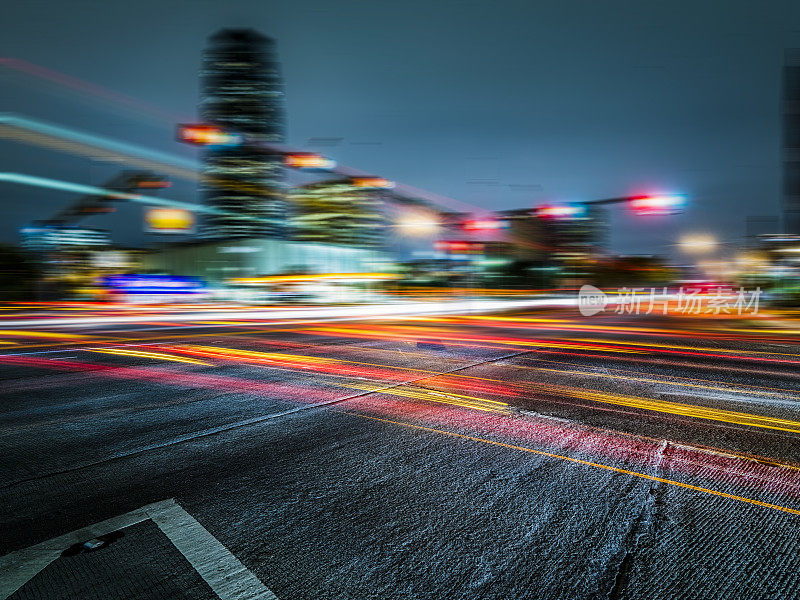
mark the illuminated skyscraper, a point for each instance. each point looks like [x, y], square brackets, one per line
[242, 92]
[790, 144]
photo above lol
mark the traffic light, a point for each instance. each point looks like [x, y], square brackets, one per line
[208, 135]
[664, 204]
[563, 212]
[488, 224]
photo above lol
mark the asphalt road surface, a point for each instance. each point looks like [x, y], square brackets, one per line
[507, 456]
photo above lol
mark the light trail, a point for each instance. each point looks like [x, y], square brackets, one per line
[285, 315]
[676, 408]
[741, 389]
[88, 88]
[606, 346]
[571, 325]
[42, 334]
[19, 124]
[416, 393]
[382, 372]
[80, 188]
[302, 394]
[673, 347]
[153, 355]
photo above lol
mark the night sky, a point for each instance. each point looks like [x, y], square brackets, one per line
[497, 104]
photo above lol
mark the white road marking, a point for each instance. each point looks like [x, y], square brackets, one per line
[226, 575]
[223, 572]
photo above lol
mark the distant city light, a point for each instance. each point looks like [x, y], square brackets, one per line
[484, 224]
[208, 135]
[698, 243]
[418, 224]
[309, 161]
[372, 182]
[158, 184]
[459, 247]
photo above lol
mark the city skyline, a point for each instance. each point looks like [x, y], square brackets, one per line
[492, 167]
[444, 299]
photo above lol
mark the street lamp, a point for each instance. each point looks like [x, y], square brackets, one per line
[698, 243]
[417, 224]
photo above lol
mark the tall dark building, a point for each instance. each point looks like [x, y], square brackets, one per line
[790, 155]
[242, 92]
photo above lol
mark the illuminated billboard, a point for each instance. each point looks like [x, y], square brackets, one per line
[168, 220]
[153, 284]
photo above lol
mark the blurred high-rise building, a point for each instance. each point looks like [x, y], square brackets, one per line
[242, 92]
[43, 238]
[338, 212]
[790, 141]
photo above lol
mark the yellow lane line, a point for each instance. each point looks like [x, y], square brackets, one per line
[688, 486]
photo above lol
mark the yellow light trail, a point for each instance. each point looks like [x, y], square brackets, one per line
[499, 341]
[579, 461]
[153, 355]
[215, 351]
[663, 406]
[41, 334]
[677, 408]
[671, 347]
[767, 391]
[440, 397]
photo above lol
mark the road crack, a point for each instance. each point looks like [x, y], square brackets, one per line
[619, 572]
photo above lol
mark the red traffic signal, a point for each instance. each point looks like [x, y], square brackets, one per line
[664, 204]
